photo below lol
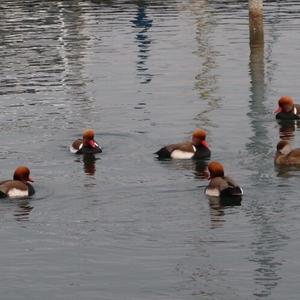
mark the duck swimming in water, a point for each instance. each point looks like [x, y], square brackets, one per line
[19, 186]
[221, 185]
[196, 148]
[87, 144]
[287, 109]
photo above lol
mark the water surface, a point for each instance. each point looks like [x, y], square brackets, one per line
[123, 225]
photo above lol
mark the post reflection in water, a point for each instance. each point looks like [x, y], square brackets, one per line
[205, 80]
[52, 71]
[142, 23]
[73, 45]
[206, 84]
[268, 239]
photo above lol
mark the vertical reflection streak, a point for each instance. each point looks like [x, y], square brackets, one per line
[268, 238]
[205, 80]
[142, 23]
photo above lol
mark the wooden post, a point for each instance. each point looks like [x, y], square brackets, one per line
[256, 22]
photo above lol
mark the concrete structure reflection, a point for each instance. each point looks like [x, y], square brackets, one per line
[205, 80]
[142, 23]
[268, 239]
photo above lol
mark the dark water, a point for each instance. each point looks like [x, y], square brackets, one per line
[123, 225]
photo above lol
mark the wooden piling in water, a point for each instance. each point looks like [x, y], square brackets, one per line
[256, 22]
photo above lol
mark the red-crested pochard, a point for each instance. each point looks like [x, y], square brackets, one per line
[221, 185]
[19, 186]
[287, 109]
[87, 144]
[197, 148]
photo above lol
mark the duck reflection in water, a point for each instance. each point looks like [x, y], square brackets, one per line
[23, 210]
[89, 163]
[287, 160]
[201, 170]
[217, 213]
[218, 207]
[20, 209]
[287, 129]
[197, 166]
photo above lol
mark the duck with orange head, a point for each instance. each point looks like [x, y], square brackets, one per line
[287, 109]
[221, 185]
[86, 145]
[19, 186]
[197, 148]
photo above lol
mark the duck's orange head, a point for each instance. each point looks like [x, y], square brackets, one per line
[22, 174]
[215, 169]
[285, 104]
[88, 138]
[199, 137]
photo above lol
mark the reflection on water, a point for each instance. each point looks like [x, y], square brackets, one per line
[142, 23]
[89, 163]
[288, 171]
[287, 129]
[205, 80]
[72, 45]
[268, 239]
[131, 220]
[19, 208]
[217, 212]
[197, 167]
[201, 170]
[50, 51]
[257, 111]
[23, 210]
[218, 207]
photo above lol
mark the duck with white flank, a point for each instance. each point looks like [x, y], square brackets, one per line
[19, 186]
[196, 148]
[221, 185]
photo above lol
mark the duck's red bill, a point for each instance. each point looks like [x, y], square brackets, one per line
[205, 144]
[277, 110]
[93, 143]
